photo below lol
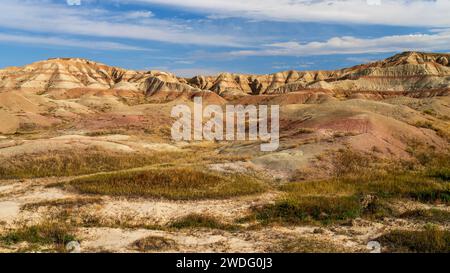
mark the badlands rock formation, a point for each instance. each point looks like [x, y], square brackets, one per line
[406, 72]
[411, 72]
[68, 73]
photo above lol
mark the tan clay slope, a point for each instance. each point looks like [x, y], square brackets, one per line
[406, 72]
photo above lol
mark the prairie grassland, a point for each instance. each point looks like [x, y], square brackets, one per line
[173, 183]
[362, 187]
[71, 163]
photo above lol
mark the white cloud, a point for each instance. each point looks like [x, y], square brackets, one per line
[55, 41]
[73, 2]
[352, 45]
[138, 14]
[45, 17]
[389, 12]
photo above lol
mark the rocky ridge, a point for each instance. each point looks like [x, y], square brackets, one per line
[405, 72]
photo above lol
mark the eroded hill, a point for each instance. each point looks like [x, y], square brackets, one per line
[423, 74]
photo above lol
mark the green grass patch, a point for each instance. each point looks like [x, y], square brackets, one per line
[54, 234]
[430, 240]
[310, 209]
[171, 183]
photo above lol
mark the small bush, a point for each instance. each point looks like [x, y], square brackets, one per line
[375, 208]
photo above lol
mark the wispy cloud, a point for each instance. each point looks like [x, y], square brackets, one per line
[352, 45]
[208, 36]
[56, 41]
[387, 12]
[46, 17]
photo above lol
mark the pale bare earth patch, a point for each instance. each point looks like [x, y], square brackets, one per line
[9, 211]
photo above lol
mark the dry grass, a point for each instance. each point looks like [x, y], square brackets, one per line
[305, 131]
[200, 221]
[362, 187]
[68, 203]
[313, 209]
[429, 240]
[440, 131]
[436, 164]
[365, 174]
[305, 245]
[429, 215]
[337, 200]
[77, 217]
[171, 183]
[153, 243]
[71, 163]
[407, 185]
[49, 233]
[347, 162]
[92, 160]
[106, 132]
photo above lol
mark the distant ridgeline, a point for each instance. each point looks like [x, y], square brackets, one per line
[408, 73]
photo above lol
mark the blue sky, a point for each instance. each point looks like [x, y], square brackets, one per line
[190, 37]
